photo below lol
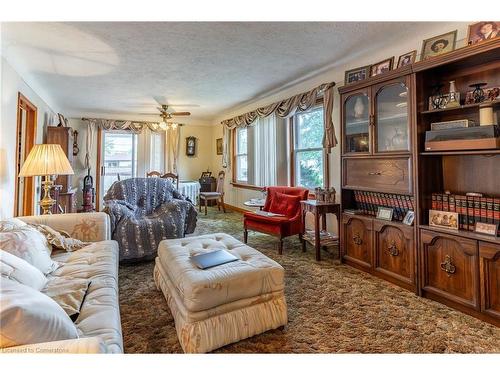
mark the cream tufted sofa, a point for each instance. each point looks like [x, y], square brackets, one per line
[98, 324]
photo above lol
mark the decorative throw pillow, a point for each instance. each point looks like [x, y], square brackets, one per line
[9, 224]
[59, 240]
[284, 204]
[28, 316]
[29, 244]
[19, 270]
[69, 293]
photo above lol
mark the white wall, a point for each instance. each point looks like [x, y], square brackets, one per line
[236, 196]
[11, 84]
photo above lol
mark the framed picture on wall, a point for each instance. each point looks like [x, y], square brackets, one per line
[357, 74]
[382, 67]
[407, 58]
[218, 146]
[190, 146]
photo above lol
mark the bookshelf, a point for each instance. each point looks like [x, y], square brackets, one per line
[420, 264]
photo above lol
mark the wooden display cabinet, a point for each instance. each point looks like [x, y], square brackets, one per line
[384, 120]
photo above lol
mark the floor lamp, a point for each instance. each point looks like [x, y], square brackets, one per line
[46, 160]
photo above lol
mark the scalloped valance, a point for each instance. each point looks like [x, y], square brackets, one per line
[286, 108]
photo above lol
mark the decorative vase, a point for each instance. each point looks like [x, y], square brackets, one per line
[359, 108]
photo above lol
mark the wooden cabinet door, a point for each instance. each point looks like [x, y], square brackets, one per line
[489, 270]
[357, 240]
[450, 267]
[357, 123]
[394, 253]
[391, 117]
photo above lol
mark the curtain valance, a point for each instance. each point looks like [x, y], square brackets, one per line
[133, 126]
[285, 108]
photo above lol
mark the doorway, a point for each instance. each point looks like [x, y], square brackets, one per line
[117, 159]
[25, 139]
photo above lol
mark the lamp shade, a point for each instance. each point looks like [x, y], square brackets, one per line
[44, 160]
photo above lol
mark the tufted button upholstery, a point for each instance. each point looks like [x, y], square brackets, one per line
[200, 290]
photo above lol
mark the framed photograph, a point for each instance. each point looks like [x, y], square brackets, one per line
[489, 229]
[358, 74]
[206, 174]
[190, 146]
[443, 219]
[407, 58]
[409, 218]
[482, 31]
[385, 213]
[438, 45]
[218, 146]
[381, 67]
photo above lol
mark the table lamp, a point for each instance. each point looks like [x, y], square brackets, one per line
[46, 160]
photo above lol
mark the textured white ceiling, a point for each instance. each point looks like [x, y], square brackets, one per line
[98, 69]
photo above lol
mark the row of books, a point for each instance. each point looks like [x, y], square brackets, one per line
[470, 209]
[368, 202]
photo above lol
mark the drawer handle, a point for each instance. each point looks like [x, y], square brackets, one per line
[357, 239]
[374, 173]
[393, 249]
[447, 266]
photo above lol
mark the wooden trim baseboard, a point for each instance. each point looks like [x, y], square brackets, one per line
[237, 209]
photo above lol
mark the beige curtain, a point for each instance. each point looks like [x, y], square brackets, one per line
[285, 108]
[134, 126]
[172, 141]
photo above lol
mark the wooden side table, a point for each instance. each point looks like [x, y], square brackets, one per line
[323, 238]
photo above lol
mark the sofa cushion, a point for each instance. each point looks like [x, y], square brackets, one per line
[29, 317]
[200, 290]
[27, 243]
[100, 313]
[21, 271]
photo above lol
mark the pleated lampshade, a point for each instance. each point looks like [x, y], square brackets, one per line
[44, 160]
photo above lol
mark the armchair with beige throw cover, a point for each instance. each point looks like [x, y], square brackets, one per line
[97, 326]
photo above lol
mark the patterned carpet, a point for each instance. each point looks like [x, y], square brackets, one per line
[331, 309]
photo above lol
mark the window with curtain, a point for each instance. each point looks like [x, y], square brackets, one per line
[157, 151]
[308, 154]
[258, 152]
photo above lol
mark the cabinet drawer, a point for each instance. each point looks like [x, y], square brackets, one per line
[489, 260]
[450, 267]
[394, 253]
[357, 240]
[381, 174]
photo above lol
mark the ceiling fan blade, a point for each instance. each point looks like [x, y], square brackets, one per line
[180, 113]
[161, 100]
[149, 114]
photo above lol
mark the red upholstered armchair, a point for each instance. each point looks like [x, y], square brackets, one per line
[280, 200]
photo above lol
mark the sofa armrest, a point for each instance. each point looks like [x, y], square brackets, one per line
[89, 227]
[88, 345]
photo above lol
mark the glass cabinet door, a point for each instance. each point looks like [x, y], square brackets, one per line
[357, 123]
[391, 111]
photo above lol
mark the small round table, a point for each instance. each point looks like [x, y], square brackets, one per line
[260, 203]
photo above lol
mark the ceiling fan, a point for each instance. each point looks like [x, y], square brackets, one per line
[166, 115]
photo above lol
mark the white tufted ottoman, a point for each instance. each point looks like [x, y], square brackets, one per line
[223, 304]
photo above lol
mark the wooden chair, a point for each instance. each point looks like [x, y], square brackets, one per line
[173, 178]
[153, 174]
[217, 195]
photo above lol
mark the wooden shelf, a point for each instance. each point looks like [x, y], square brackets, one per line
[462, 233]
[493, 103]
[461, 152]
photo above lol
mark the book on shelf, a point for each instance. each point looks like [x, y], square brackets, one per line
[470, 209]
[367, 203]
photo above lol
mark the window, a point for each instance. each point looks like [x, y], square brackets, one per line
[308, 152]
[242, 155]
[156, 152]
[260, 153]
